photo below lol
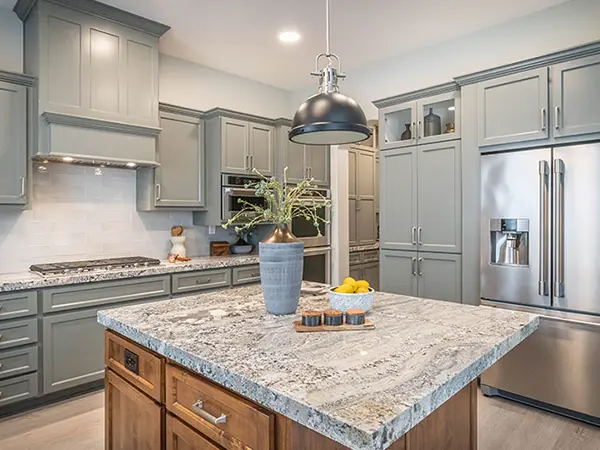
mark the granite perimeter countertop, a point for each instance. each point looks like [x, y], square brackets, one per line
[364, 248]
[11, 282]
[362, 389]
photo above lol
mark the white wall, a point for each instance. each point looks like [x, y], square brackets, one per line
[567, 25]
[11, 41]
[191, 85]
[78, 215]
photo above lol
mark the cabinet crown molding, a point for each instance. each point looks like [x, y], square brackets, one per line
[571, 53]
[24, 7]
[222, 112]
[18, 78]
[415, 95]
[180, 110]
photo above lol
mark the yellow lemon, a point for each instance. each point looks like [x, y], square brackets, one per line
[345, 289]
[350, 281]
[362, 290]
[363, 284]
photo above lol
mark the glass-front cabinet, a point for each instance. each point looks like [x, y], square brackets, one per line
[432, 119]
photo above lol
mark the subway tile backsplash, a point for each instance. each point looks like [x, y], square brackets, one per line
[76, 214]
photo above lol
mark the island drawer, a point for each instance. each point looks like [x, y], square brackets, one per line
[180, 437]
[18, 304]
[140, 367]
[354, 258]
[184, 283]
[21, 332]
[225, 418]
[17, 389]
[247, 274]
[371, 256]
[104, 293]
[18, 361]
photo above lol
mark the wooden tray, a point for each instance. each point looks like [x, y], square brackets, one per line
[368, 325]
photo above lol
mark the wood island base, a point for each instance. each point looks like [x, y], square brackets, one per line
[155, 404]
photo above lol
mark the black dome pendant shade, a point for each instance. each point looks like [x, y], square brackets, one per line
[329, 118]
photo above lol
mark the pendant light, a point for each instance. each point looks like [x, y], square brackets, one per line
[329, 117]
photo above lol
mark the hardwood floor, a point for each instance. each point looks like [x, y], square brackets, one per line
[503, 425]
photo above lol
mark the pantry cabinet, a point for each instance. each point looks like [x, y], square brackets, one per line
[362, 193]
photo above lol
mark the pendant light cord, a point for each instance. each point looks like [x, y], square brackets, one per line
[327, 29]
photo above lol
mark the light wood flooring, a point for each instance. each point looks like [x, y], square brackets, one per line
[503, 425]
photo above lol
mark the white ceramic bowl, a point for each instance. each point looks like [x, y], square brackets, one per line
[343, 302]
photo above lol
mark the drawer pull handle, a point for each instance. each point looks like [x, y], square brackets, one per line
[203, 281]
[0, 307]
[0, 337]
[254, 274]
[197, 407]
[0, 365]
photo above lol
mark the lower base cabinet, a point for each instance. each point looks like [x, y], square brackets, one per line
[436, 276]
[181, 437]
[133, 420]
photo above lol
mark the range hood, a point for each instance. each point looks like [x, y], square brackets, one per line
[97, 83]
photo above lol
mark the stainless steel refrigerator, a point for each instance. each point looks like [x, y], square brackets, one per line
[540, 252]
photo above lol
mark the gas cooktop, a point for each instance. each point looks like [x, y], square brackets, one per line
[74, 267]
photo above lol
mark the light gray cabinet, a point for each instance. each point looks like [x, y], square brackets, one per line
[246, 274]
[316, 159]
[398, 271]
[439, 197]
[18, 361]
[179, 181]
[73, 350]
[14, 333]
[302, 161]
[365, 266]
[435, 276]
[356, 272]
[13, 143]
[575, 97]
[377, 184]
[261, 145]
[371, 274]
[398, 194]
[246, 146]
[513, 108]
[18, 389]
[362, 194]
[439, 276]
[18, 304]
[190, 282]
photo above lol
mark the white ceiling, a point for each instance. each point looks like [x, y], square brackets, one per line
[240, 36]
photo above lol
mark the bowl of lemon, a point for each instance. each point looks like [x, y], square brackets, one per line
[352, 294]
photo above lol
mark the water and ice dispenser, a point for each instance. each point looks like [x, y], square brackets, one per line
[509, 239]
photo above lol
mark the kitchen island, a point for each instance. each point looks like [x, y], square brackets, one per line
[221, 373]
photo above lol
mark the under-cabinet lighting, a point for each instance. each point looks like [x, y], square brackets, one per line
[451, 108]
[131, 164]
[67, 159]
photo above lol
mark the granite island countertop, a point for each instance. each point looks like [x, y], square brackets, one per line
[11, 282]
[362, 389]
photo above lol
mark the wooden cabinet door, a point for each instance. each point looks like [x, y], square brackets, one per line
[576, 96]
[181, 437]
[513, 108]
[398, 272]
[13, 144]
[180, 176]
[439, 197]
[262, 156]
[317, 161]
[440, 277]
[365, 183]
[352, 196]
[398, 195]
[73, 350]
[235, 151]
[291, 155]
[371, 274]
[133, 421]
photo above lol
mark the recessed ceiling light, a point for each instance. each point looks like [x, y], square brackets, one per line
[68, 159]
[289, 37]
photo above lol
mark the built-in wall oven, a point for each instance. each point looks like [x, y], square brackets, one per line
[317, 263]
[306, 231]
[236, 195]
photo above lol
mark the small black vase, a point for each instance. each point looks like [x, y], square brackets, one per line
[406, 135]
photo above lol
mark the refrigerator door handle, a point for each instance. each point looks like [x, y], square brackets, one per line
[544, 172]
[559, 228]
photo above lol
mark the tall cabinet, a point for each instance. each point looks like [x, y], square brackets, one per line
[420, 194]
[362, 193]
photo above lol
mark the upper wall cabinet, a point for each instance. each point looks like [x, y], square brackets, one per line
[98, 78]
[513, 108]
[423, 121]
[179, 181]
[302, 161]
[246, 146]
[13, 138]
[576, 97]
